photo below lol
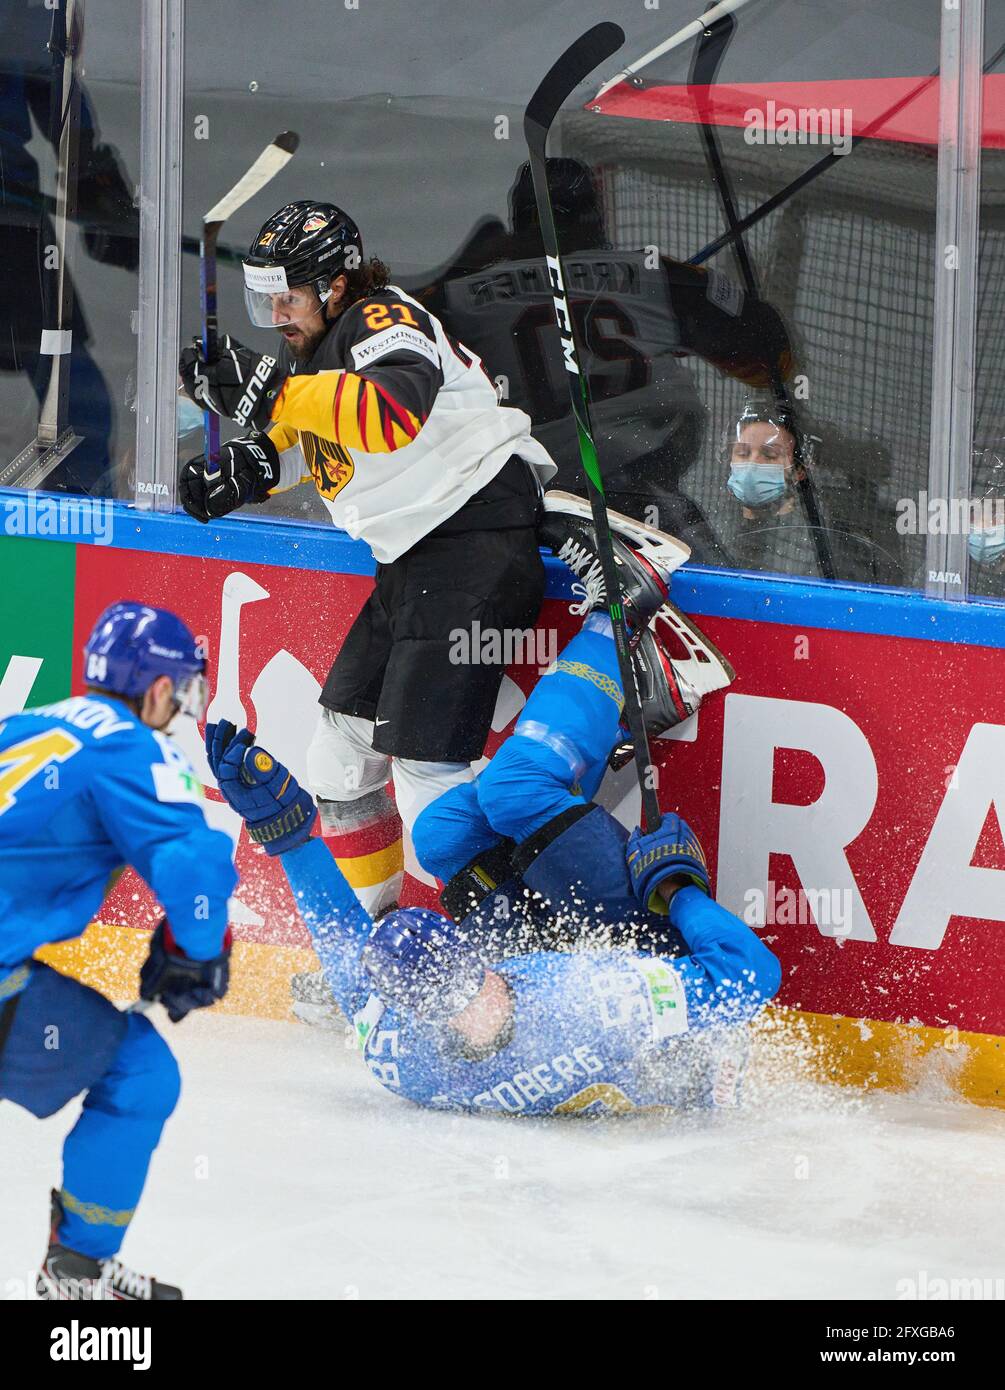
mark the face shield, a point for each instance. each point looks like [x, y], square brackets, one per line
[272, 303]
[761, 455]
[191, 695]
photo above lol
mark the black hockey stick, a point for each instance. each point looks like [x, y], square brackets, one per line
[708, 55]
[274, 157]
[826, 162]
[576, 64]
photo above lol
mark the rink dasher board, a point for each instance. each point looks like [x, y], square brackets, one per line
[845, 788]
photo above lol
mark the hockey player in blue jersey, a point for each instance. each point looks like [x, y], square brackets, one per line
[584, 970]
[87, 786]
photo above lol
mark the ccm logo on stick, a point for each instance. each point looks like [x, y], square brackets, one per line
[562, 314]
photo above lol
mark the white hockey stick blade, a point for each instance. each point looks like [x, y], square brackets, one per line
[273, 158]
[690, 31]
[662, 550]
[704, 667]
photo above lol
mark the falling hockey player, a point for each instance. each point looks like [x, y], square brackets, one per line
[87, 786]
[585, 970]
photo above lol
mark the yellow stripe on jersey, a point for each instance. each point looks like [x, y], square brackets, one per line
[346, 408]
[364, 870]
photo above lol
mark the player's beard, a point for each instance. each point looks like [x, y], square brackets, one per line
[303, 343]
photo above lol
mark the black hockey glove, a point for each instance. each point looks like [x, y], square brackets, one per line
[239, 383]
[180, 984]
[248, 469]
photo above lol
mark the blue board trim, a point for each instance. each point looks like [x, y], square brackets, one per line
[296, 545]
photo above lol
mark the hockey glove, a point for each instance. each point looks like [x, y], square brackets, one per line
[671, 852]
[248, 468]
[278, 812]
[239, 383]
[181, 984]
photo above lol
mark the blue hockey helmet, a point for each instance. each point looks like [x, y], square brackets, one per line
[132, 645]
[418, 961]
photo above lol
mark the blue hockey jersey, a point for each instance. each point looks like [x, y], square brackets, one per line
[86, 788]
[592, 1031]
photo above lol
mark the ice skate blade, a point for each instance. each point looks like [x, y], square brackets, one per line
[324, 1016]
[704, 668]
[661, 549]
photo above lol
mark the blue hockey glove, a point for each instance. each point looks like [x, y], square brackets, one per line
[276, 809]
[417, 962]
[181, 984]
[672, 851]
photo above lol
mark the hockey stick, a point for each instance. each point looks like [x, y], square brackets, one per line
[689, 31]
[709, 52]
[273, 158]
[825, 162]
[572, 68]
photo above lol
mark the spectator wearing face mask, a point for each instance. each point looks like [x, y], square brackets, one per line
[986, 541]
[765, 518]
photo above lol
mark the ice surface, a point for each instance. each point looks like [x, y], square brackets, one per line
[288, 1173]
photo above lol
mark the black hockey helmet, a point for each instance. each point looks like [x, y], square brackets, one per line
[304, 243]
[575, 202]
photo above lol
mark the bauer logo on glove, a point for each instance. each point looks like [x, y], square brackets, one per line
[238, 383]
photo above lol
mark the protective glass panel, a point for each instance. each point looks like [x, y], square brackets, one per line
[785, 121]
[985, 520]
[69, 244]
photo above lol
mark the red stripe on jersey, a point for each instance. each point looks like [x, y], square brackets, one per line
[402, 417]
[337, 402]
[361, 402]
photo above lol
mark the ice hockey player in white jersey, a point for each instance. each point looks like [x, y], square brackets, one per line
[397, 426]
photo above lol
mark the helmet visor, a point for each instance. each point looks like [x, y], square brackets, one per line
[191, 695]
[272, 303]
[760, 440]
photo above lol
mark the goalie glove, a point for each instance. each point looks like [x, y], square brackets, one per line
[670, 852]
[248, 469]
[239, 383]
[278, 812]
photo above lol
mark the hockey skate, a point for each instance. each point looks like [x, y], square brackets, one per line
[645, 557]
[313, 1001]
[67, 1275]
[676, 666]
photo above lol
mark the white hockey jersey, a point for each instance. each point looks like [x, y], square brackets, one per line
[396, 423]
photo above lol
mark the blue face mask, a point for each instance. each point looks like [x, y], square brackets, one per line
[987, 547]
[757, 484]
[188, 415]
